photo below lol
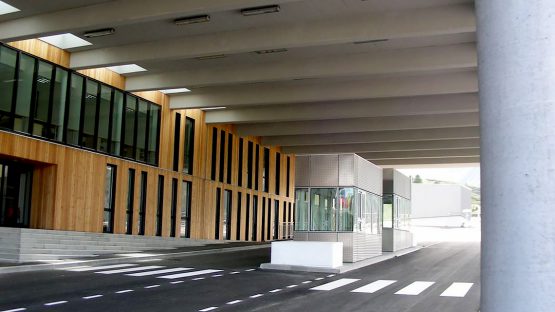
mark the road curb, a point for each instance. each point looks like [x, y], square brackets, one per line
[52, 266]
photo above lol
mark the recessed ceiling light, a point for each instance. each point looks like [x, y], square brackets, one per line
[177, 90]
[126, 69]
[271, 51]
[99, 32]
[65, 41]
[6, 8]
[260, 10]
[210, 57]
[192, 20]
[213, 108]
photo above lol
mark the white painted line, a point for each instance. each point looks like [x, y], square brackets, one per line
[374, 286]
[113, 266]
[331, 275]
[319, 279]
[176, 282]
[124, 291]
[164, 271]
[73, 268]
[217, 275]
[55, 303]
[92, 297]
[149, 260]
[307, 282]
[188, 274]
[415, 288]
[256, 296]
[458, 290]
[275, 290]
[152, 286]
[130, 269]
[208, 309]
[198, 279]
[235, 272]
[335, 284]
[249, 270]
[234, 301]
[291, 286]
[15, 310]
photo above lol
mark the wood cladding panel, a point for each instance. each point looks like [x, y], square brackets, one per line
[43, 50]
[105, 75]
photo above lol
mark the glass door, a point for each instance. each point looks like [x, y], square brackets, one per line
[15, 194]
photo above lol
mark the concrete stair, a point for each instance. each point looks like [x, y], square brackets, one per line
[25, 245]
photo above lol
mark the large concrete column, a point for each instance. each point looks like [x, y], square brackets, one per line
[516, 52]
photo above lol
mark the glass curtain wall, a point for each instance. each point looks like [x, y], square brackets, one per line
[48, 101]
[396, 212]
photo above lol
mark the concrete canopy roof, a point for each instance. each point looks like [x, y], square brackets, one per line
[393, 80]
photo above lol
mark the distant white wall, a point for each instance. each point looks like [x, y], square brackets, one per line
[439, 200]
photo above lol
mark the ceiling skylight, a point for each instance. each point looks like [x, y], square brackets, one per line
[126, 69]
[177, 90]
[65, 41]
[6, 8]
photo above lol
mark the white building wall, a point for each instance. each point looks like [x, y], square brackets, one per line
[439, 200]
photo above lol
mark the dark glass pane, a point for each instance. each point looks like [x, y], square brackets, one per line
[8, 59]
[42, 99]
[176, 141]
[24, 93]
[278, 172]
[89, 120]
[142, 119]
[214, 154]
[130, 202]
[109, 199]
[229, 156]
[189, 145]
[185, 230]
[74, 113]
[104, 118]
[117, 117]
[249, 164]
[222, 155]
[240, 170]
[160, 207]
[142, 203]
[153, 139]
[130, 120]
[59, 104]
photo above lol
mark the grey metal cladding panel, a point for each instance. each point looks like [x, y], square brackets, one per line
[366, 246]
[324, 170]
[302, 171]
[346, 170]
[401, 184]
[369, 177]
[348, 248]
[300, 236]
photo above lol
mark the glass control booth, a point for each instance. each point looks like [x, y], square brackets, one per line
[396, 211]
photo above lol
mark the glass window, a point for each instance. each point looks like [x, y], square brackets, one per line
[302, 213]
[288, 186]
[189, 145]
[109, 199]
[74, 109]
[130, 202]
[142, 203]
[347, 209]
[214, 154]
[130, 122]
[240, 170]
[217, 217]
[238, 219]
[154, 134]
[226, 222]
[24, 92]
[59, 104]
[323, 209]
[256, 166]
[42, 99]
[142, 131]
[117, 120]
[249, 164]
[222, 155]
[229, 156]
[89, 120]
[266, 172]
[8, 58]
[186, 209]
[278, 172]
[174, 208]
[176, 141]
[388, 211]
[104, 118]
[160, 207]
[247, 216]
[254, 225]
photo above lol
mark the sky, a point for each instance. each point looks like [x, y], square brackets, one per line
[464, 176]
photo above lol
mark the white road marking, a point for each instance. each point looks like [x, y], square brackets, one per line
[208, 309]
[113, 266]
[319, 279]
[217, 275]
[73, 268]
[331, 275]
[291, 286]
[130, 269]
[55, 303]
[198, 278]
[249, 270]
[160, 272]
[234, 301]
[124, 291]
[152, 286]
[306, 282]
[275, 290]
[415, 288]
[235, 272]
[457, 290]
[15, 310]
[176, 282]
[92, 297]
[188, 274]
[256, 296]
[373, 287]
[335, 284]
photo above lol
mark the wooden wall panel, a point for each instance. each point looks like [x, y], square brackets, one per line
[43, 50]
[105, 75]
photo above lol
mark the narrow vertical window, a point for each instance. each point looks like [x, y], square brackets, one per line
[278, 172]
[41, 100]
[130, 202]
[254, 217]
[8, 63]
[240, 170]
[186, 210]
[247, 216]
[160, 207]
[153, 137]
[142, 131]
[189, 145]
[130, 127]
[217, 219]
[117, 123]
[222, 155]
[176, 141]
[227, 215]
[104, 117]
[256, 166]
[288, 176]
[263, 220]
[214, 154]
[249, 165]
[229, 156]
[142, 203]
[109, 199]
[266, 171]
[89, 114]
[269, 223]
[59, 104]
[238, 219]
[73, 115]
[276, 219]
[25, 74]
[174, 209]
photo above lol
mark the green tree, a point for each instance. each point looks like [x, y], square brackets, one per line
[417, 179]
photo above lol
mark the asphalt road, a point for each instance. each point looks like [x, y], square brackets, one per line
[232, 282]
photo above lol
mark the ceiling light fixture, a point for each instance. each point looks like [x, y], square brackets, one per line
[6, 8]
[270, 51]
[176, 90]
[65, 41]
[126, 69]
[371, 41]
[99, 32]
[210, 57]
[213, 108]
[260, 10]
[192, 20]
